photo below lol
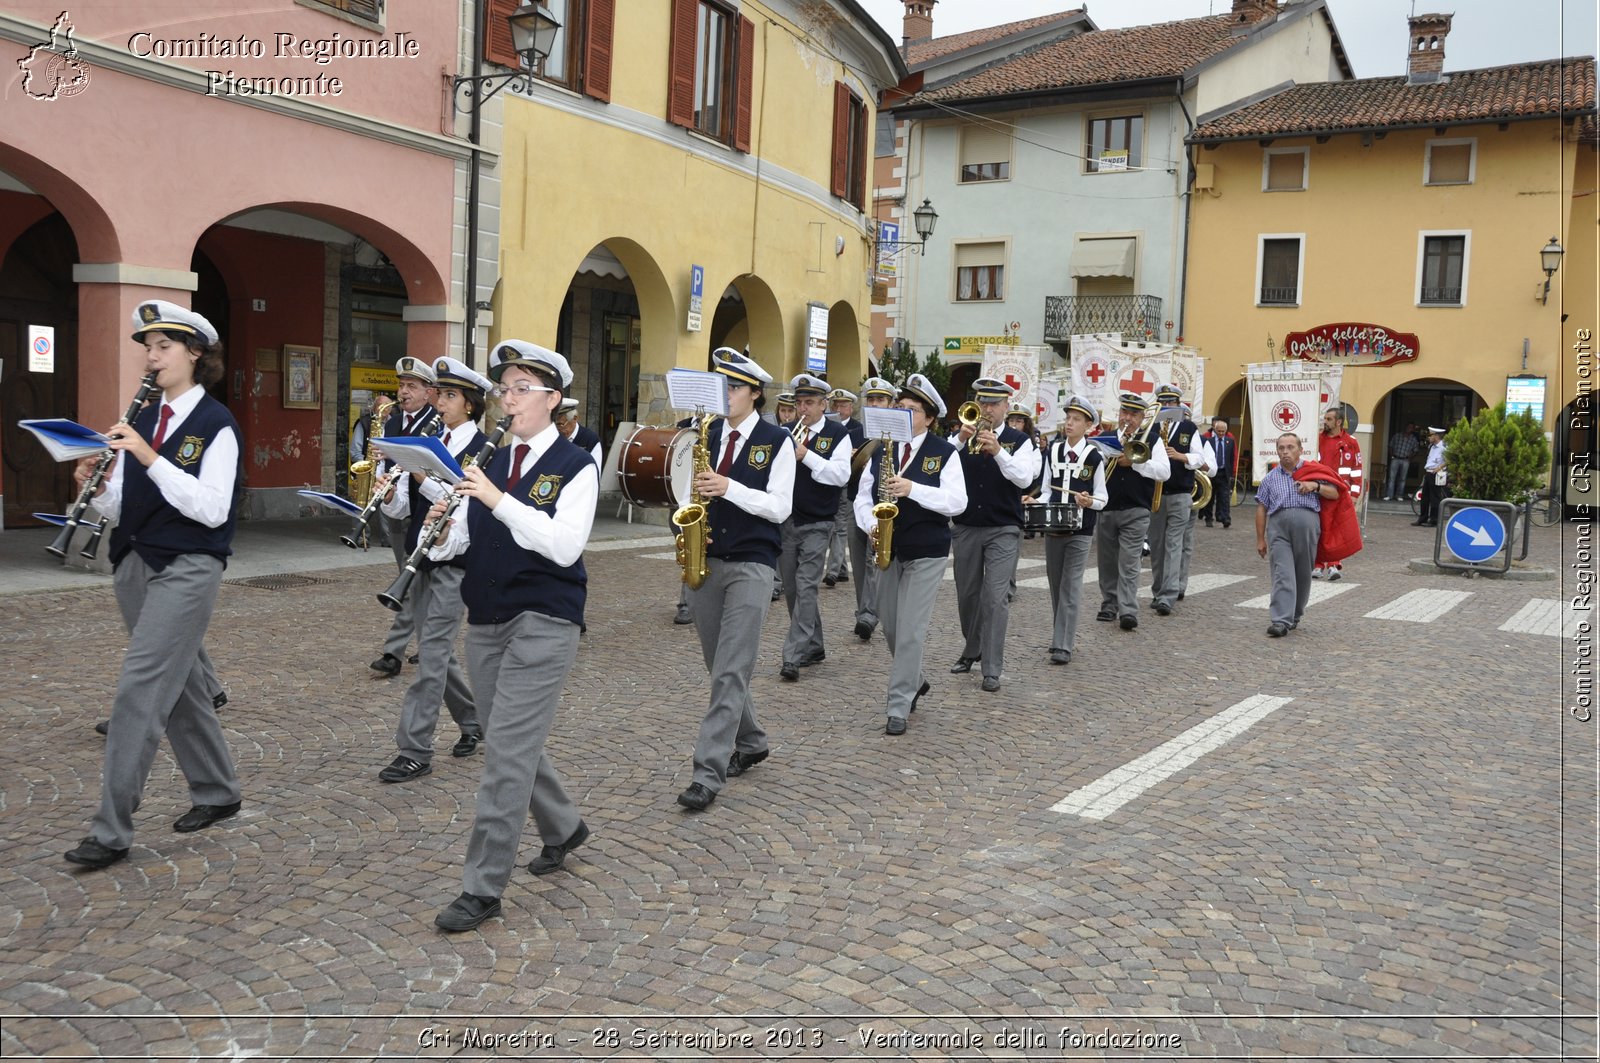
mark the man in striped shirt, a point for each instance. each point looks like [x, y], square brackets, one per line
[1288, 525]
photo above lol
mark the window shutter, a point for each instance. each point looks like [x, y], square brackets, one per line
[860, 156]
[1286, 171]
[1449, 164]
[680, 63]
[746, 61]
[841, 139]
[981, 144]
[601, 16]
[497, 44]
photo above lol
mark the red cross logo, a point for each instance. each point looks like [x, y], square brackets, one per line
[1287, 414]
[1138, 383]
[1096, 372]
[1016, 385]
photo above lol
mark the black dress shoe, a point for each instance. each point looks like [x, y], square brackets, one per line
[1106, 615]
[1181, 594]
[815, 658]
[963, 665]
[789, 673]
[697, 798]
[551, 856]
[467, 912]
[466, 745]
[413, 659]
[220, 700]
[1276, 630]
[991, 683]
[102, 727]
[1419, 524]
[403, 768]
[844, 577]
[202, 816]
[829, 581]
[1163, 609]
[388, 665]
[777, 592]
[740, 763]
[683, 616]
[926, 686]
[863, 631]
[1128, 623]
[894, 726]
[1060, 657]
[91, 853]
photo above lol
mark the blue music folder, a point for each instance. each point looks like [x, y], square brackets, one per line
[424, 454]
[332, 501]
[58, 519]
[66, 440]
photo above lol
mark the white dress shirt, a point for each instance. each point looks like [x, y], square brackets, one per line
[1020, 467]
[833, 470]
[1158, 468]
[1073, 468]
[948, 499]
[561, 536]
[205, 499]
[433, 488]
[777, 500]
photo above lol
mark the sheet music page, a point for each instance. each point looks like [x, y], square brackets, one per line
[891, 421]
[694, 389]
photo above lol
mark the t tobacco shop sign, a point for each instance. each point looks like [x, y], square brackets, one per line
[1352, 343]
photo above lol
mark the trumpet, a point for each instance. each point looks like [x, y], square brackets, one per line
[395, 597]
[63, 539]
[971, 415]
[884, 510]
[376, 490]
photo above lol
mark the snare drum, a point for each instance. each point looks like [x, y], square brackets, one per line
[657, 466]
[1051, 518]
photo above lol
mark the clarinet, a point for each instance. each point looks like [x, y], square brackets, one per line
[63, 540]
[432, 427]
[395, 597]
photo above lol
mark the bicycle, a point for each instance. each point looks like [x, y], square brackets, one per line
[1544, 508]
[1415, 499]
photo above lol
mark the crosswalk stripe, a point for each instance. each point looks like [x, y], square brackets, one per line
[1419, 607]
[626, 544]
[1543, 616]
[1320, 592]
[1111, 791]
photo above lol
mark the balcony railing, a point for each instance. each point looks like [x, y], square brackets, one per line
[1441, 296]
[1280, 296]
[1066, 316]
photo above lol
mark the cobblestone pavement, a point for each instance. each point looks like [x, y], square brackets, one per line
[1396, 861]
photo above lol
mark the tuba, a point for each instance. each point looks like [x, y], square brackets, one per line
[1202, 490]
[691, 518]
[971, 415]
[884, 511]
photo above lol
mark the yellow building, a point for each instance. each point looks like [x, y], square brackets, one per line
[665, 143]
[1415, 205]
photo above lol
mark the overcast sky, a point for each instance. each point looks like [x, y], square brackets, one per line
[1485, 32]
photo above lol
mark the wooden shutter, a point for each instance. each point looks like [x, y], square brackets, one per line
[841, 139]
[680, 63]
[746, 64]
[600, 17]
[497, 43]
[860, 176]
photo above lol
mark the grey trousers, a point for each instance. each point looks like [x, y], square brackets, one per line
[986, 561]
[436, 599]
[867, 575]
[800, 561]
[906, 593]
[1292, 536]
[840, 558]
[729, 609]
[520, 666]
[1188, 548]
[405, 621]
[1064, 559]
[1168, 526]
[1118, 543]
[164, 689]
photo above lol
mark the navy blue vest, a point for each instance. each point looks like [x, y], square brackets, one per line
[814, 502]
[1126, 489]
[504, 580]
[735, 534]
[858, 439]
[992, 500]
[149, 525]
[919, 532]
[1181, 437]
[1084, 481]
[585, 439]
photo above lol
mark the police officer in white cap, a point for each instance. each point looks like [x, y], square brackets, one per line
[750, 486]
[822, 453]
[928, 488]
[836, 570]
[876, 393]
[413, 415]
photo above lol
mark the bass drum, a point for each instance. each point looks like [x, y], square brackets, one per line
[657, 466]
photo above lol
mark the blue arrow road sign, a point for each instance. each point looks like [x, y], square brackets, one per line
[1475, 534]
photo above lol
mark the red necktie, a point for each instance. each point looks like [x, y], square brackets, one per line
[516, 467]
[1072, 456]
[161, 430]
[905, 463]
[727, 455]
[447, 440]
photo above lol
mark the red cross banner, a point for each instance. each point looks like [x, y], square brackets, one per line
[1017, 366]
[1284, 397]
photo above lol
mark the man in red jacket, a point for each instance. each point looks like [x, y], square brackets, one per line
[1339, 451]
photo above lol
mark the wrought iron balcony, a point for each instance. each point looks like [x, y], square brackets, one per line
[1066, 316]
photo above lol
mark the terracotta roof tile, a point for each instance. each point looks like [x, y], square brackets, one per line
[919, 52]
[1100, 57]
[1522, 90]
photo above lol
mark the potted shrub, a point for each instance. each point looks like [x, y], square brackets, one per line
[1497, 457]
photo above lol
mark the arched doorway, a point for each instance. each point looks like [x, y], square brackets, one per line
[845, 352]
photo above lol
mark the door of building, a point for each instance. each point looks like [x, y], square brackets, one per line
[619, 384]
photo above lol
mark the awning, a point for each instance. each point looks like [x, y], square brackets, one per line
[1103, 258]
[602, 263]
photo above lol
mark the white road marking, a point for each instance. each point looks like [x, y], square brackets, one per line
[1320, 592]
[627, 544]
[1199, 582]
[1419, 607]
[1111, 791]
[1543, 616]
[670, 555]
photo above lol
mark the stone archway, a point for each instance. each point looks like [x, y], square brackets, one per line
[846, 348]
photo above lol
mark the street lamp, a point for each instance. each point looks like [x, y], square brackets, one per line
[533, 35]
[1549, 261]
[923, 218]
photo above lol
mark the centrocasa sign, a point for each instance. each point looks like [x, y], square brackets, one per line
[1352, 343]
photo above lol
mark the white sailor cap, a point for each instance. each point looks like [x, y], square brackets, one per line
[1169, 393]
[451, 372]
[157, 315]
[417, 369]
[786, 398]
[507, 353]
[1436, 431]
[992, 390]
[841, 395]
[1083, 406]
[876, 385]
[740, 367]
[920, 387]
[567, 406]
[804, 385]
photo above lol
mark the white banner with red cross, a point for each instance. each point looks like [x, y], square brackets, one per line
[1054, 388]
[1285, 397]
[1104, 366]
[1018, 366]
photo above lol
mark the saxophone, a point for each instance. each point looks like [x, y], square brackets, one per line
[361, 472]
[694, 527]
[884, 511]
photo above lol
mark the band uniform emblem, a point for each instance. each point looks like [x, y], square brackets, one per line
[822, 444]
[148, 313]
[190, 449]
[931, 465]
[1009, 448]
[545, 489]
[760, 456]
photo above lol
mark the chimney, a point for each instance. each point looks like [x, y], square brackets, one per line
[1253, 10]
[918, 23]
[1425, 55]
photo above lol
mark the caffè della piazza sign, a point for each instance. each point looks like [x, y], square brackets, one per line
[1352, 343]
